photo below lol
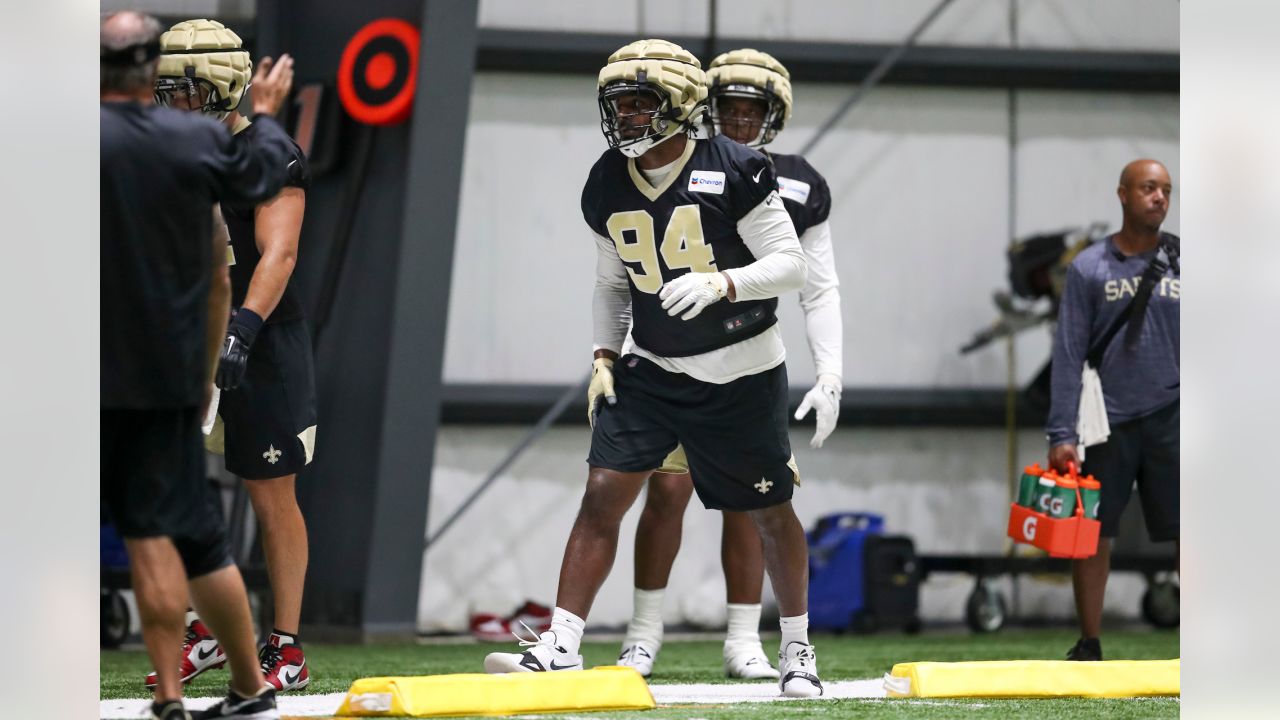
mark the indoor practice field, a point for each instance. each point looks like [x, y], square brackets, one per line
[697, 661]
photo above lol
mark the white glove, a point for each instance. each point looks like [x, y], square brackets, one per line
[825, 398]
[601, 384]
[693, 292]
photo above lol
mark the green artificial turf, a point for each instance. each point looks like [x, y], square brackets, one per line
[334, 667]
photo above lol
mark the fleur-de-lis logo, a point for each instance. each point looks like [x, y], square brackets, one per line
[763, 486]
[272, 454]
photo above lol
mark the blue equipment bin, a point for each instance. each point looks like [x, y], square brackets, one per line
[111, 550]
[836, 578]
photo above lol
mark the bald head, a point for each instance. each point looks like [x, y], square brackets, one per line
[128, 27]
[119, 32]
[1141, 168]
[1144, 193]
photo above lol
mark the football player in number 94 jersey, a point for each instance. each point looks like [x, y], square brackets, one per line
[749, 98]
[693, 247]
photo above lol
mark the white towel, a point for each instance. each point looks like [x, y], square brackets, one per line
[209, 417]
[1092, 427]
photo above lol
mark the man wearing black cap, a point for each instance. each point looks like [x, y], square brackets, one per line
[163, 321]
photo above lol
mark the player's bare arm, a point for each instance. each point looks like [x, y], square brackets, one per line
[277, 225]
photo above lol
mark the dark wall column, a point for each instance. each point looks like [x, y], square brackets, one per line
[415, 361]
[379, 358]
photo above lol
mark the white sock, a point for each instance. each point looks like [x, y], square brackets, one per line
[568, 629]
[191, 617]
[744, 625]
[794, 629]
[646, 616]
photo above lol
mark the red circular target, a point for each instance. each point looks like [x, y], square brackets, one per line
[378, 72]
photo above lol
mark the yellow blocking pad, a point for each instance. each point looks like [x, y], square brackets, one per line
[601, 688]
[1035, 678]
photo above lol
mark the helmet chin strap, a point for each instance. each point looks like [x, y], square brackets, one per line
[635, 150]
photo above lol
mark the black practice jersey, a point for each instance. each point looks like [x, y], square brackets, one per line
[161, 171]
[244, 244]
[804, 191]
[688, 224]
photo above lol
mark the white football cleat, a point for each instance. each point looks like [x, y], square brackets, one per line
[639, 654]
[748, 662]
[543, 655]
[798, 666]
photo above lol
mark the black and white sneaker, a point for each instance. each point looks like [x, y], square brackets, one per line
[543, 655]
[1087, 650]
[798, 667]
[168, 710]
[639, 654]
[747, 661]
[261, 707]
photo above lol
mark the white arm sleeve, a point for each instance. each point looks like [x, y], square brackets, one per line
[611, 301]
[820, 300]
[771, 237]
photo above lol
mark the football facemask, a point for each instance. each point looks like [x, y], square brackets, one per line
[635, 117]
[753, 75]
[649, 91]
[190, 93]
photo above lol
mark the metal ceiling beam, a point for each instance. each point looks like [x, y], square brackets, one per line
[583, 53]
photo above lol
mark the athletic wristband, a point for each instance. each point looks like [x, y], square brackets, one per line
[245, 326]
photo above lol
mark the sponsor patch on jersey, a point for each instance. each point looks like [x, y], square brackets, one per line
[707, 181]
[793, 189]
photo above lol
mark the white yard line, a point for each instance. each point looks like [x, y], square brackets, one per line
[726, 693]
[298, 705]
[714, 694]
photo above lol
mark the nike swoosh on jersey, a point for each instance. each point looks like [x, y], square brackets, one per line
[758, 174]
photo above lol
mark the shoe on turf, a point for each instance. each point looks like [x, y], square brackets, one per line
[168, 710]
[1089, 649]
[283, 665]
[200, 652]
[748, 662]
[798, 667]
[532, 615]
[488, 627]
[639, 654]
[260, 707]
[543, 655]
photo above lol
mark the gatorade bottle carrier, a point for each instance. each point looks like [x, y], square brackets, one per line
[1075, 536]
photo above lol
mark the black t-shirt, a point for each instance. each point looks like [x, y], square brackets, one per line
[803, 190]
[161, 171]
[689, 224]
[244, 245]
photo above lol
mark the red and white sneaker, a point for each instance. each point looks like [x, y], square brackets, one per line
[283, 664]
[534, 616]
[488, 627]
[200, 652]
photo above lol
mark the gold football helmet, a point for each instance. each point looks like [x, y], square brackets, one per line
[754, 75]
[649, 91]
[203, 65]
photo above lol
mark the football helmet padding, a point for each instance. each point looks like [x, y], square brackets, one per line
[663, 70]
[203, 59]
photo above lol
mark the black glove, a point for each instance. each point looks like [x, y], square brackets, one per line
[235, 350]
